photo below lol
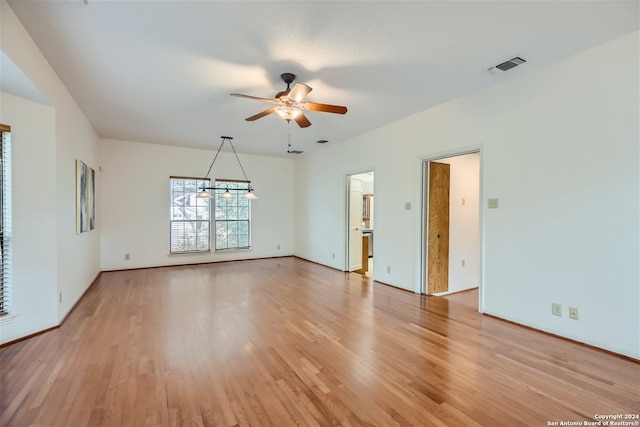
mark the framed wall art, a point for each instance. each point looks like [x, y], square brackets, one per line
[85, 197]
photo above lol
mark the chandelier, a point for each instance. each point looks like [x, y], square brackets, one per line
[227, 194]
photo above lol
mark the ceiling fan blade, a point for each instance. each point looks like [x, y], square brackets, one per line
[252, 97]
[302, 121]
[338, 109]
[262, 114]
[299, 91]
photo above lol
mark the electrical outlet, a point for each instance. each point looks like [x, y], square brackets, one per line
[388, 269]
[333, 255]
[556, 309]
[573, 313]
[127, 257]
[60, 297]
[463, 263]
[278, 247]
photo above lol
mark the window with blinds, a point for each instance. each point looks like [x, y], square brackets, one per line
[5, 220]
[190, 220]
[232, 215]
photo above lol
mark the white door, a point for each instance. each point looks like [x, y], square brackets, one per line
[355, 224]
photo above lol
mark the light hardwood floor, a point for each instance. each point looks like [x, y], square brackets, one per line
[468, 298]
[282, 342]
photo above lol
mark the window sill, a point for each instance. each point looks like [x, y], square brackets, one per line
[223, 251]
[8, 318]
[189, 253]
[214, 252]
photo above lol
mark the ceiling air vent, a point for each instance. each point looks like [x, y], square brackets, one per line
[295, 151]
[322, 141]
[507, 65]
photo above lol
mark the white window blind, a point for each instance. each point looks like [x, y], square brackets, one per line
[190, 220]
[232, 216]
[5, 220]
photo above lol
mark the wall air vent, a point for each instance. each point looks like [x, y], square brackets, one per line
[507, 65]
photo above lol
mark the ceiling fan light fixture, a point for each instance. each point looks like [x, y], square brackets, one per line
[288, 113]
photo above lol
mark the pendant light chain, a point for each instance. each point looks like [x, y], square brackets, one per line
[237, 158]
[214, 159]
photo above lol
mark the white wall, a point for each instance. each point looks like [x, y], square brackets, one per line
[134, 194]
[367, 183]
[34, 227]
[464, 221]
[77, 256]
[559, 149]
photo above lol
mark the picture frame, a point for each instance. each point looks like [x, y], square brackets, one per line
[85, 197]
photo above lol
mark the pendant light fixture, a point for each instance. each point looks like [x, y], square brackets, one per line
[227, 194]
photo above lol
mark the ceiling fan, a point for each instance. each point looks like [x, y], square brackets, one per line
[289, 103]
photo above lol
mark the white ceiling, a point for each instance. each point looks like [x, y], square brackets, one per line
[161, 71]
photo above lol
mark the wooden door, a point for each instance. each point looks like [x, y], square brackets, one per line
[355, 224]
[438, 231]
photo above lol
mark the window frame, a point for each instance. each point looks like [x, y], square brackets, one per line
[220, 205]
[5, 219]
[174, 232]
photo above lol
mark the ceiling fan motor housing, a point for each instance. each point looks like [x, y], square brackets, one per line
[288, 78]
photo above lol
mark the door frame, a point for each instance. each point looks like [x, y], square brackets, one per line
[347, 211]
[424, 219]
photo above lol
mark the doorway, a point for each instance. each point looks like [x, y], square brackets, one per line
[360, 223]
[451, 224]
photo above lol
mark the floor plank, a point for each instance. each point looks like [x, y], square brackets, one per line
[285, 342]
[468, 297]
